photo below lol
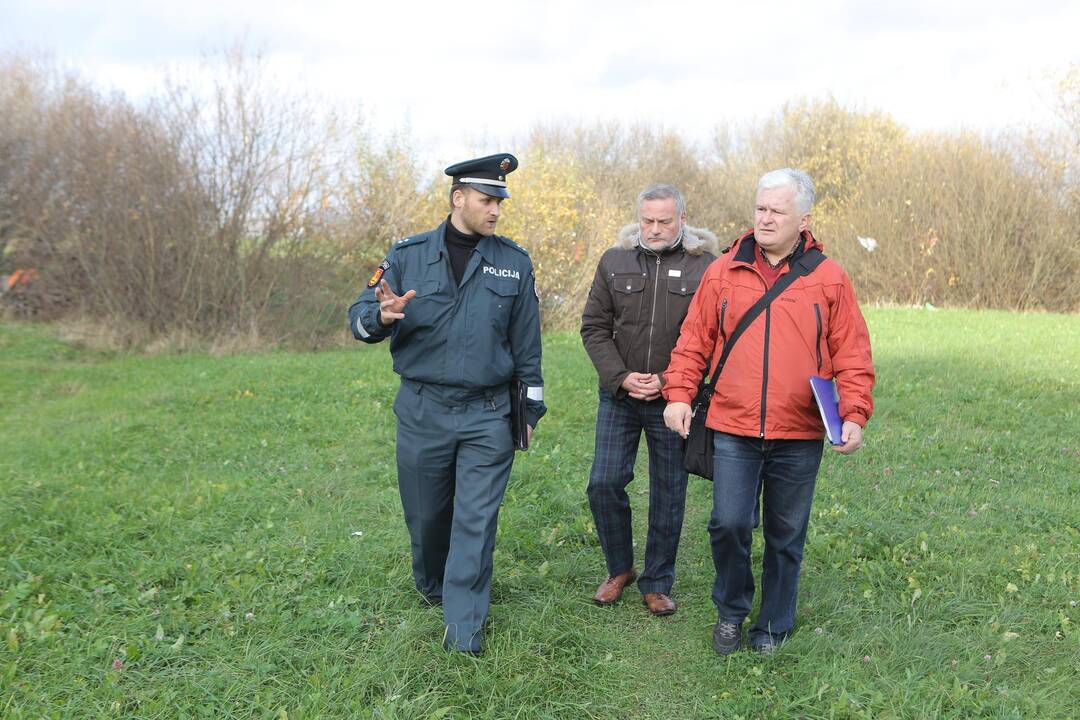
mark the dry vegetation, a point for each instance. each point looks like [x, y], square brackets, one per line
[230, 217]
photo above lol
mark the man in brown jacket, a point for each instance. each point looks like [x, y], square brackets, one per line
[639, 297]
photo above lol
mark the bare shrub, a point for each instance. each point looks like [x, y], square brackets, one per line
[190, 215]
[33, 160]
[557, 215]
[578, 186]
[969, 228]
[379, 196]
[951, 219]
[262, 169]
[223, 214]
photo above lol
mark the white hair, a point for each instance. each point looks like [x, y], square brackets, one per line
[797, 180]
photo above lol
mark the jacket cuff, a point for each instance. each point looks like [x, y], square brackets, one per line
[856, 417]
[677, 395]
[615, 385]
[367, 327]
[533, 413]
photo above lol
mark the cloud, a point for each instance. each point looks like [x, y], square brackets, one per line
[460, 75]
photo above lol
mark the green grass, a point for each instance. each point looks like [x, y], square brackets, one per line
[179, 538]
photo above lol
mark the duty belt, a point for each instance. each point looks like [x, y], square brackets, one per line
[453, 395]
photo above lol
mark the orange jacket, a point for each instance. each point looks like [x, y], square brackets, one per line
[814, 327]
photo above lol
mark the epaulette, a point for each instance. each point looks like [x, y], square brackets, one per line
[413, 240]
[511, 243]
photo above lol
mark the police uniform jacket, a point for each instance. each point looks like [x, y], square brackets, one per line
[462, 340]
[638, 301]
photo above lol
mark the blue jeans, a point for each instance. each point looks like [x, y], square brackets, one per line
[619, 424]
[785, 472]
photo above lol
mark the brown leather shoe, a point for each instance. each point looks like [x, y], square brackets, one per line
[611, 589]
[658, 603]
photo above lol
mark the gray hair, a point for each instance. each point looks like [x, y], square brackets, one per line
[663, 191]
[797, 180]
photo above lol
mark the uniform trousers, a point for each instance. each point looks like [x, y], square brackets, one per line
[619, 423]
[454, 459]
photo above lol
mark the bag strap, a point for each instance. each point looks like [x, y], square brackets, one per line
[805, 265]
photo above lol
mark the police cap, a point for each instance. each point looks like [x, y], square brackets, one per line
[486, 174]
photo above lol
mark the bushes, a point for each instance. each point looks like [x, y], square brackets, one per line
[191, 215]
[948, 219]
[229, 212]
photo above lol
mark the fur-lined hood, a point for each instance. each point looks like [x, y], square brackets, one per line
[694, 240]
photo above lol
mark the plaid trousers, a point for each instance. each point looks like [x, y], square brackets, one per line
[619, 423]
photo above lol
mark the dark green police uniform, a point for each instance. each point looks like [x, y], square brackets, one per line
[456, 350]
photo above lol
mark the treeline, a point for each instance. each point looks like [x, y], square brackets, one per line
[228, 213]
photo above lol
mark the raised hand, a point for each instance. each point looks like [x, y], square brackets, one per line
[391, 305]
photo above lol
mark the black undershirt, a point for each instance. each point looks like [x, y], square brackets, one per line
[460, 247]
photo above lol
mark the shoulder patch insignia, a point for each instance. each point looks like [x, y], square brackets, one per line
[535, 291]
[379, 271]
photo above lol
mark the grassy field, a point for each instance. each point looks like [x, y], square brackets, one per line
[193, 536]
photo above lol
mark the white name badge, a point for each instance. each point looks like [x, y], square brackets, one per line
[674, 273]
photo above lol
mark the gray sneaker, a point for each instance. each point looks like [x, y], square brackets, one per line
[726, 637]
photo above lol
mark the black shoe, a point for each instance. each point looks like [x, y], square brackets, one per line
[766, 644]
[726, 637]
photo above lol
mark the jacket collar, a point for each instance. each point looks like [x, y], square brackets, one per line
[695, 240]
[485, 248]
[677, 246]
[437, 249]
[746, 246]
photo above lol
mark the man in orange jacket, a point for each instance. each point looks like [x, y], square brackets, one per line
[768, 431]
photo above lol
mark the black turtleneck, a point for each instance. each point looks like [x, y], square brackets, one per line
[460, 247]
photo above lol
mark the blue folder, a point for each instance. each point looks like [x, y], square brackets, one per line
[828, 403]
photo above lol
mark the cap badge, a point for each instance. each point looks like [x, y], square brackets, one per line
[505, 164]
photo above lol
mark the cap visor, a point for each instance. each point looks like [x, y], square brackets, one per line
[492, 190]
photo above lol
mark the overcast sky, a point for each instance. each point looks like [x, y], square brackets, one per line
[465, 76]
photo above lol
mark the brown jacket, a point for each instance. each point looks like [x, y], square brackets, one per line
[631, 322]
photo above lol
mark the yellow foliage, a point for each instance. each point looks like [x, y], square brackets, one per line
[556, 214]
[836, 146]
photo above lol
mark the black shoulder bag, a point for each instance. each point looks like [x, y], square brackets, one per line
[698, 452]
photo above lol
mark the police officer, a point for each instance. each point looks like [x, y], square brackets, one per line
[460, 307]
